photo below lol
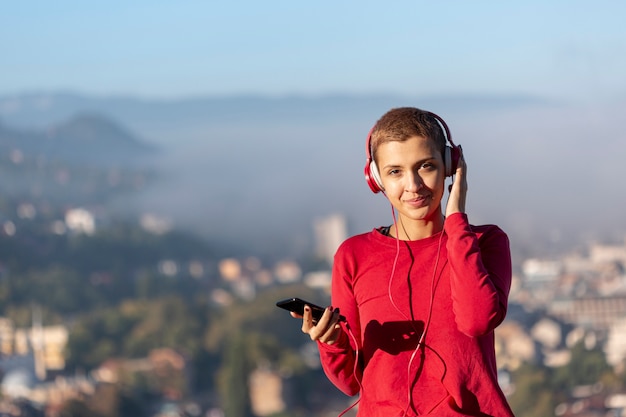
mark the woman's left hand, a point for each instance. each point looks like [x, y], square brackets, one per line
[458, 189]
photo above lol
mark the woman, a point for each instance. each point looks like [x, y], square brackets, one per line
[422, 296]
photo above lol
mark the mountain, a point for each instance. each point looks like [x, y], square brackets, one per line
[96, 130]
[158, 118]
[84, 139]
[86, 160]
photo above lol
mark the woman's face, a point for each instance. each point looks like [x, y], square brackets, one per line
[413, 176]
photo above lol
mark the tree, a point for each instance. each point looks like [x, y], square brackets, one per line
[533, 396]
[586, 367]
[233, 379]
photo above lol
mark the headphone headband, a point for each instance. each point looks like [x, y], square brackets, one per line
[450, 157]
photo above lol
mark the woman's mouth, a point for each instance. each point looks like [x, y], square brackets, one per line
[418, 201]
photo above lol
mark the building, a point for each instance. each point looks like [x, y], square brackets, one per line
[330, 232]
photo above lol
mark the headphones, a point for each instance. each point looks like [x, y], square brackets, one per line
[450, 157]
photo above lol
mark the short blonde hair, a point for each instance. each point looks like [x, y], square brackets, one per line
[402, 123]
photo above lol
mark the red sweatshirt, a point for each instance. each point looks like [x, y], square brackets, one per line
[455, 285]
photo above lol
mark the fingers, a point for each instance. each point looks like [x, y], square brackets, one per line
[461, 164]
[307, 320]
[326, 330]
[458, 188]
[332, 333]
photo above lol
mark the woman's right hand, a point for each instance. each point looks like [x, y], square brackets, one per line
[326, 330]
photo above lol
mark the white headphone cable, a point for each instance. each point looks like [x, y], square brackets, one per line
[408, 319]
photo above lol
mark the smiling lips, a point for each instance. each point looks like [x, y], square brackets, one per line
[418, 201]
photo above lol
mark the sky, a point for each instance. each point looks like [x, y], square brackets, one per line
[573, 50]
[555, 162]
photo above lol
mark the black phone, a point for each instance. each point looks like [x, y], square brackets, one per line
[297, 306]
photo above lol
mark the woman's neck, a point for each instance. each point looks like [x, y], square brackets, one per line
[408, 229]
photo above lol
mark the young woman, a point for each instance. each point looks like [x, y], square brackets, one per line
[422, 296]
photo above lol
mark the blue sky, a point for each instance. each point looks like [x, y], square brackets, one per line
[165, 49]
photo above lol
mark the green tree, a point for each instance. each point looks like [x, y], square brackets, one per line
[233, 379]
[533, 395]
[263, 334]
[133, 329]
[586, 367]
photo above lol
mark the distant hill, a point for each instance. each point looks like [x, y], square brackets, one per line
[89, 159]
[84, 139]
[159, 119]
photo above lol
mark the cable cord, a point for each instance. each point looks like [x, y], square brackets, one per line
[354, 370]
[409, 319]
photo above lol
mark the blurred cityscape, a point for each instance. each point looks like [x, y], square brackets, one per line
[563, 310]
[106, 315]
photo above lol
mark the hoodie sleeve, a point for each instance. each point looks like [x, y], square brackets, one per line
[340, 361]
[481, 275]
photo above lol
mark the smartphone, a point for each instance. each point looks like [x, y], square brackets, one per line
[297, 306]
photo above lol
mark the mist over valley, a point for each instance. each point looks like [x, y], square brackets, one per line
[255, 172]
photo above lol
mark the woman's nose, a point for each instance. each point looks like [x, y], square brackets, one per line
[414, 182]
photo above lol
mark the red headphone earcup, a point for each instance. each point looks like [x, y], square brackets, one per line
[455, 155]
[451, 159]
[370, 178]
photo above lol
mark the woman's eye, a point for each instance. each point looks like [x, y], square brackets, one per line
[427, 165]
[394, 172]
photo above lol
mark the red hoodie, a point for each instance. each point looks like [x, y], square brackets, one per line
[454, 285]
